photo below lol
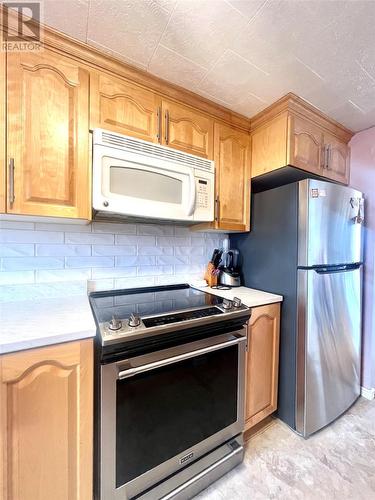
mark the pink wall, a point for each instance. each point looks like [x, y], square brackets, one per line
[362, 177]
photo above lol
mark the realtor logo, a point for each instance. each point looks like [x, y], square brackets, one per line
[21, 26]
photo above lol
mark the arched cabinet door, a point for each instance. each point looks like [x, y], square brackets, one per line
[337, 159]
[306, 145]
[47, 135]
[262, 364]
[117, 105]
[187, 129]
[46, 423]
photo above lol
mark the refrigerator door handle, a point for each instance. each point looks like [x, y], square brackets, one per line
[337, 269]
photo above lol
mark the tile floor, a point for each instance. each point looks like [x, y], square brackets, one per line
[335, 463]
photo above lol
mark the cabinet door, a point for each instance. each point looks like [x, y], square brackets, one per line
[119, 106]
[46, 419]
[306, 145]
[47, 135]
[2, 133]
[262, 364]
[232, 162]
[337, 159]
[187, 129]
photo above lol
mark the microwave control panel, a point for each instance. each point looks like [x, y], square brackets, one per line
[203, 191]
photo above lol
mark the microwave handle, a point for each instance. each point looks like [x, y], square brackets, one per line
[191, 205]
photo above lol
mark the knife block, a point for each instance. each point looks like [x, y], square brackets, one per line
[209, 275]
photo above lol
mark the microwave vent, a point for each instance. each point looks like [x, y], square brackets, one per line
[141, 147]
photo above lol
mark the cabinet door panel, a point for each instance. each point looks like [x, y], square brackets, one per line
[48, 135]
[46, 422]
[262, 363]
[121, 107]
[3, 161]
[232, 162]
[337, 167]
[306, 143]
[187, 130]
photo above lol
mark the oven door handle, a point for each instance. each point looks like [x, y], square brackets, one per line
[130, 372]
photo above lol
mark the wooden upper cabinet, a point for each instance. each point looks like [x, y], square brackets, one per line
[337, 156]
[232, 162]
[119, 106]
[262, 363]
[47, 135]
[2, 132]
[46, 423]
[187, 129]
[305, 147]
[292, 132]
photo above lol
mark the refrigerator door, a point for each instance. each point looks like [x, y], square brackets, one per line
[329, 224]
[328, 346]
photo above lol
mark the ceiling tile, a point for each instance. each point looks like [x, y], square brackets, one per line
[349, 115]
[233, 77]
[130, 27]
[69, 18]
[323, 97]
[248, 8]
[118, 55]
[175, 68]
[202, 30]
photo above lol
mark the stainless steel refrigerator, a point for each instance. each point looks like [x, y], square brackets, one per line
[306, 244]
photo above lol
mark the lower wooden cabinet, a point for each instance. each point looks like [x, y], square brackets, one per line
[46, 423]
[262, 364]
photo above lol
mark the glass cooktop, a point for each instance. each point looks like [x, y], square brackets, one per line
[150, 301]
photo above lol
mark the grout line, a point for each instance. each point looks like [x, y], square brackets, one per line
[161, 36]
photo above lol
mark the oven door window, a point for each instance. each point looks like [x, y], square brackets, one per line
[164, 412]
[145, 185]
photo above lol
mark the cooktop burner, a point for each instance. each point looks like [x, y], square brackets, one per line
[122, 315]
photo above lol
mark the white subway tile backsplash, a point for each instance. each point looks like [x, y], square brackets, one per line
[16, 277]
[114, 228]
[8, 224]
[62, 250]
[173, 241]
[60, 258]
[154, 270]
[155, 250]
[135, 260]
[113, 272]
[53, 275]
[25, 263]
[66, 228]
[84, 262]
[27, 236]
[109, 250]
[89, 238]
[122, 239]
[16, 249]
[155, 230]
[172, 259]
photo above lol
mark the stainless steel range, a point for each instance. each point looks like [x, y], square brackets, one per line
[170, 365]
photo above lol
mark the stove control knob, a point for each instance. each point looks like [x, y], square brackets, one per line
[237, 302]
[227, 304]
[115, 324]
[134, 320]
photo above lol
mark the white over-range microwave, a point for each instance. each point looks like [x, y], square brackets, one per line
[140, 180]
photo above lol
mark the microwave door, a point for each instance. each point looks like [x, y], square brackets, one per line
[134, 189]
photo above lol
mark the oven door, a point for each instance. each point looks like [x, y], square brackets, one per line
[137, 186]
[162, 411]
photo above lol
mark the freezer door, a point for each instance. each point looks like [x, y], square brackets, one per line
[329, 343]
[329, 224]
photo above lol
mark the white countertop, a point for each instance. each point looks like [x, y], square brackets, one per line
[249, 296]
[25, 324]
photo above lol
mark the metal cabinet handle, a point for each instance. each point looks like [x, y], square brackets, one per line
[217, 207]
[166, 136]
[158, 124]
[11, 181]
